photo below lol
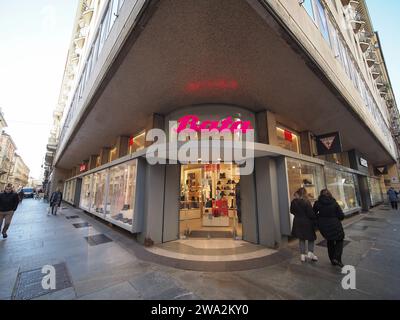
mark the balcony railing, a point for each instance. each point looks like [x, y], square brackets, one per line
[107, 21]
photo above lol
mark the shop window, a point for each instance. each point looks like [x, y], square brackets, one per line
[121, 194]
[113, 155]
[305, 175]
[375, 191]
[210, 200]
[343, 187]
[137, 142]
[98, 192]
[288, 139]
[85, 192]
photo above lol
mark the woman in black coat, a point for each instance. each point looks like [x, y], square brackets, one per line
[304, 224]
[330, 215]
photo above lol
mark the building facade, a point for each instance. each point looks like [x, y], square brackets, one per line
[7, 159]
[20, 173]
[300, 73]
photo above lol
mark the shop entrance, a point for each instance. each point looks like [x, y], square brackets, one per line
[210, 205]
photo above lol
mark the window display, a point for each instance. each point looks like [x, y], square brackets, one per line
[69, 191]
[137, 142]
[288, 139]
[210, 199]
[121, 194]
[305, 175]
[343, 187]
[85, 192]
[98, 192]
[375, 191]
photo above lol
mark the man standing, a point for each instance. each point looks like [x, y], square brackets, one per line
[9, 201]
[55, 201]
[392, 197]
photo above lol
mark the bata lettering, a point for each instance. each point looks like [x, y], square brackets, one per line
[192, 122]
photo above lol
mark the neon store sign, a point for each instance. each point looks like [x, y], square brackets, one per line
[193, 122]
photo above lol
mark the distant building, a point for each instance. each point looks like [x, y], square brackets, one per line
[7, 154]
[20, 173]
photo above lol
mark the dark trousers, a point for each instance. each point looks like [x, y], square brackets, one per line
[54, 208]
[335, 249]
[394, 205]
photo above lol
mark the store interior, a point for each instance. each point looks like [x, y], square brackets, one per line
[210, 201]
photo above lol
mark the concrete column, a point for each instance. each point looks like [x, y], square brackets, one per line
[153, 204]
[306, 143]
[122, 146]
[249, 208]
[155, 121]
[267, 202]
[92, 161]
[104, 155]
[58, 178]
[266, 127]
[171, 203]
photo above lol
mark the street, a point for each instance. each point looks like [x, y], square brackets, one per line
[108, 267]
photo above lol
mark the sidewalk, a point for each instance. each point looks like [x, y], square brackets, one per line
[107, 267]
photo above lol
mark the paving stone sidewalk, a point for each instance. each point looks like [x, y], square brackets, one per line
[100, 263]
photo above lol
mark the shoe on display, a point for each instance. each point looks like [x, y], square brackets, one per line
[312, 256]
[303, 258]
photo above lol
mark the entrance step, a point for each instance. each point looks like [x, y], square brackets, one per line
[210, 234]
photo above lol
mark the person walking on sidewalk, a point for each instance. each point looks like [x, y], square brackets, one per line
[55, 201]
[393, 197]
[9, 201]
[304, 224]
[330, 215]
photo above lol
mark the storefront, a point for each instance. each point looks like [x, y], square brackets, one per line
[110, 193]
[182, 200]
[210, 201]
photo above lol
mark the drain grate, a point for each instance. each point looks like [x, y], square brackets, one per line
[357, 227]
[29, 283]
[324, 243]
[97, 239]
[82, 225]
[374, 219]
[72, 217]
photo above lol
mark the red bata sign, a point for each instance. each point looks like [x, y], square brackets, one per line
[192, 122]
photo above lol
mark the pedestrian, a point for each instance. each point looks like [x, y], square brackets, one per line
[21, 195]
[8, 204]
[55, 201]
[304, 224]
[393, 197]
[330, 215]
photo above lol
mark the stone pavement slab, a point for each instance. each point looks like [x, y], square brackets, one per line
[113, 270]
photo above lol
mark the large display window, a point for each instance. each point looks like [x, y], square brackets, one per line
[69, 191]
[305, 175]
[343, 187]
[210, 201]
[98, 192]
[86, 192]
[375, 191]
[121, 194]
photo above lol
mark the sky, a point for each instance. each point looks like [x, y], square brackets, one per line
[34, 42]
[385, 16]
[35, 36]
